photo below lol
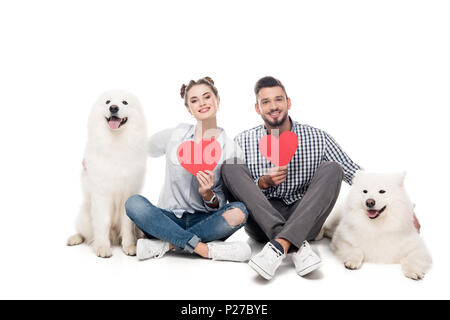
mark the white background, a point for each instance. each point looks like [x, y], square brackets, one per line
[373, 74]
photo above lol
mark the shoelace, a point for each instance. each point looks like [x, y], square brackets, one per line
[273, 248]
[162, 250]
[307, 256]
[159, 255]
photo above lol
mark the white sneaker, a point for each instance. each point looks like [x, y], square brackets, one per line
[229, 251]
[151, 248]
[306, 260]
[267, 261]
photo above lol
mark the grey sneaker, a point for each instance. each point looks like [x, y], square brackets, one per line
[306, 260]
[229, 251]
[267, 261]
[151, 248]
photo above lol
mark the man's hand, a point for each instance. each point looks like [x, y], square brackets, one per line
[273, 178]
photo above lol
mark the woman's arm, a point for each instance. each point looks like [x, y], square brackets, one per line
[158, 142]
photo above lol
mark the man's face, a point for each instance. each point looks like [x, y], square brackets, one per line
[273, 106]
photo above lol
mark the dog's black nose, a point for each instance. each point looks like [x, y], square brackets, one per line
[370, 203]
[113, 109]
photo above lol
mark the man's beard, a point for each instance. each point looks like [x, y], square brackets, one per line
[275, 123]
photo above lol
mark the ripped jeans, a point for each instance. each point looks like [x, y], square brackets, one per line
[185, 232]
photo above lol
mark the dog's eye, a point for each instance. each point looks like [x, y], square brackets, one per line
[108, 101]
[124, 102]
[381, 191]
[365, 191]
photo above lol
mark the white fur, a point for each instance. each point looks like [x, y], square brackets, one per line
[115, 168]
[390, 238]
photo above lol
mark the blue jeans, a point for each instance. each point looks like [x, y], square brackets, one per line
[185, 232]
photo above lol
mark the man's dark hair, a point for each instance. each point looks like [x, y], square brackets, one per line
[268, 82]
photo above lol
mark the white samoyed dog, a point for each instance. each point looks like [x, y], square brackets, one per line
[114, 168]
[375, 224]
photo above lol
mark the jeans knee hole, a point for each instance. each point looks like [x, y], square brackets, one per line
[234, 217]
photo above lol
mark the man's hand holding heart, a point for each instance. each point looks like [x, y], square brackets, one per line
[273, 178]
[279, 151]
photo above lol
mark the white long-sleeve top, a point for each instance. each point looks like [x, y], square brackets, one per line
[180, 191]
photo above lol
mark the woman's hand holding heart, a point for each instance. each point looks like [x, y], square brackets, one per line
[206, 182]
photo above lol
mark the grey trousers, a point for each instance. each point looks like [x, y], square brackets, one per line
[271, 218]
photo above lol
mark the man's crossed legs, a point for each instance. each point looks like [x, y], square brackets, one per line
[286, 227]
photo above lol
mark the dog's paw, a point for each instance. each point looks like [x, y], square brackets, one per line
[74, 240]
[353, 263]
[412, 272]
[414, 275]
[103, 251]
[129, 250]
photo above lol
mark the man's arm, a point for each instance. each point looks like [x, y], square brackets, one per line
[333, 152]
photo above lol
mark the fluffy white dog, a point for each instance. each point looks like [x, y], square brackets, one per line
[114, 169]
[375, 224]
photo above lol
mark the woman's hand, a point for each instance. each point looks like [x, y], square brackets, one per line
[205, 181]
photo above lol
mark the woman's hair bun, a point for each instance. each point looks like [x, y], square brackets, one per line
[183, 90]
[209, 80]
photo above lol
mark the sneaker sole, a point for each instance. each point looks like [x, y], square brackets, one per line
[310, 269]
[141, 256]
[259, 270]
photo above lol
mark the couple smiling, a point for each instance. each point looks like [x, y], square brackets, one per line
[282, 206]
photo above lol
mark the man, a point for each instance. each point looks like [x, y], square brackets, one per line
[287, 205]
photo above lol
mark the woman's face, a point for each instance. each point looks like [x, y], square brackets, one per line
[202, 103]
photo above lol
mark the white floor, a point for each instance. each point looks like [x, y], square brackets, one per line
[54, 271]
[35, 262]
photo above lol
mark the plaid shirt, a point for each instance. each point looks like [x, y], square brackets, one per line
[315, 146]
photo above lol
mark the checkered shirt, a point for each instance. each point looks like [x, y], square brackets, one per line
[315, 146]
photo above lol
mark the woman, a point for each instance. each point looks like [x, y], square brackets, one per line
[192, 210]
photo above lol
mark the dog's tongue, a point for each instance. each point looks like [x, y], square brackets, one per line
[114, 123]
[372, 213]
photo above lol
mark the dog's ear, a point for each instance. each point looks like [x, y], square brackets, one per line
[401, 178]
[357, 175]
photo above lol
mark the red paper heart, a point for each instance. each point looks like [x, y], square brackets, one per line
[279, 151]
[195, 157]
